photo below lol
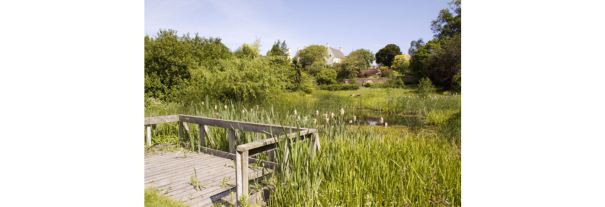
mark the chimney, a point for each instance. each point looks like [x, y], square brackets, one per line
[327, 45]
[340, 49]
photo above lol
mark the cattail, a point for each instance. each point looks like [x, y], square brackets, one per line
[354, 118]
[350, 121]
[381, 120]
[214, 107]
[251, 109]
[342, 111]
[332, 114]
[202, 103]
[327, 119]
[243, 111]
[216, 114]
[298, 118]
[385, 125]
[225, 107]
[316, 112]
[256, 107]
[326, 116]
[294, 111]
[314, 121]
[305, 119]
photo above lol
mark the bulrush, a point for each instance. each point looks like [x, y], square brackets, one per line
[214, 107]
[243, 111]
[350, 121]
[327, 120]
[225, 107]
[385, 125]
[326, 116]
[316, 112]
[305, 119]
[256, 107]
[332, 114]
[294, 112]
[314, 121]
[202, 103]
[381, 120]
[298, 118]
[354, 118]
[342, 112]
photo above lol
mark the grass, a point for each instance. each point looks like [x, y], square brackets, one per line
[153, 198]
[358, 165]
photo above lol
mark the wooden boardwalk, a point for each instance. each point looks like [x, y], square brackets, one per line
[170, 172]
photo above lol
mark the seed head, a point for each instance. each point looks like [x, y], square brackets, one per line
[305, 119]
[332, 114]
[243, 111]
[342, 111]
[385, 125]
[350, 121]
[294, 111]
[314, 121]
[298, 118]
[316, 112]
[225, 107]
[202, 103]
[214, 107]
[381, 120]
[354, 118]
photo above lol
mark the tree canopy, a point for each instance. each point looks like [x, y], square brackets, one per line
[402, 63]
[387, 54]
[246, 51]
[312, 54]
[447, 25]
[278, 49]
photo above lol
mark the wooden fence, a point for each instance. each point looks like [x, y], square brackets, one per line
[241, 153]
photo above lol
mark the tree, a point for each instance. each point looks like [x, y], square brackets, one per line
[246, 51]
[366, 55]
[414, 45]
[402, 63]
[387, 54]
[447, 25]
[327, 77]
[316, 68]
[312, 54]
[278, 49]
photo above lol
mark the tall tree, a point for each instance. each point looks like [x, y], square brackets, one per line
[402, 63]
[414, 45]
[366, 55]
[246, 51]
[312, 54]
[387, 54]
[278, 49]
[447, 25]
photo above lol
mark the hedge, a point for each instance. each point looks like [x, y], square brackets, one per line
[339, 87]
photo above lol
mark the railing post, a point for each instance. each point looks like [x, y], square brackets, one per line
[148, 135]
[202, 136]
[232, 140]
[238, 177]
[245, 173]
[180, 131]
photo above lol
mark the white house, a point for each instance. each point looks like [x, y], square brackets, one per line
[334, 55]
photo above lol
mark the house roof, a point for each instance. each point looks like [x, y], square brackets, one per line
[337, 53]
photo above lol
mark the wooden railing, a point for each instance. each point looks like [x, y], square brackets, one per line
[243, 152]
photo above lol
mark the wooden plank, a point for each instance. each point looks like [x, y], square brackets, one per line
[161, 119]
[264, 142]
[238, 175]
[202, 137]
[232, 140]
[244, 173]
[148, 135]
[270, 155]
[181, 131]
[239, 125]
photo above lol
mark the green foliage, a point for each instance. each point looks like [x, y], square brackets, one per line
[414, 45]
[313, 54]
[169, 61]
[457, 82]
[447, 25]
[278, 49]
[402, 63]
[237, 79]
[327, 77]
[360, 59]
[316, 68]
[339, 87]
[154, 198]
[246, 51]
[425, 86]
[383, 68]
[395, 83]
[386, 55]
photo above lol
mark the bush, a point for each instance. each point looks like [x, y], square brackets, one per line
[368, 73]
[425, 86]
[396, 83]
[387, 73]
[457, 82]
[327, 77]
[383, 68]
[340, 87]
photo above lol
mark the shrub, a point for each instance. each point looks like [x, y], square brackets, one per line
[457, 82]
[425, 86]
[383, 68]
[327, 77]
[340, 87]
[367, 73]
[387, 73]
[396, 83]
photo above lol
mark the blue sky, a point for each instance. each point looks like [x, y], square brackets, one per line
[347, 24]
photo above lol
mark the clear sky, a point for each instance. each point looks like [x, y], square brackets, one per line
[347, 24]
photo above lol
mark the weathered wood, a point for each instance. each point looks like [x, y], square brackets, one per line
[238, 175]
[148, 135]
[270, 155]
[239, 125]
[202, 137]
[244, 173]
[269, 141]
[207, 131]
[231, 140]
[161, 119]
[186, 128]
[181, 131]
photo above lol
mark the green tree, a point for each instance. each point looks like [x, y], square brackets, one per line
[246, 51]
[278, 49]
[316, 68]
[327, 77]
[387, 54]
[365, 55]
[312, 54]
[448, 25]
[402, 63]
[425, 86]
[414, 45]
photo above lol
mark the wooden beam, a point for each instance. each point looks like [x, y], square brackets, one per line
[244, 173]
[148, 135]
[231, 140]
[161, 119]
[181, 131]
[238, 177]
[269, 141]
[202, 137]
[239, 125]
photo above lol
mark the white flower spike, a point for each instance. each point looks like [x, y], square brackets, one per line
[342, 111]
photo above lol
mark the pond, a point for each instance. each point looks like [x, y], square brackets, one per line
[372, 118]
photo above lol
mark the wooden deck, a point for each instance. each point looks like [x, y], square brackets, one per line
[170, 172]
